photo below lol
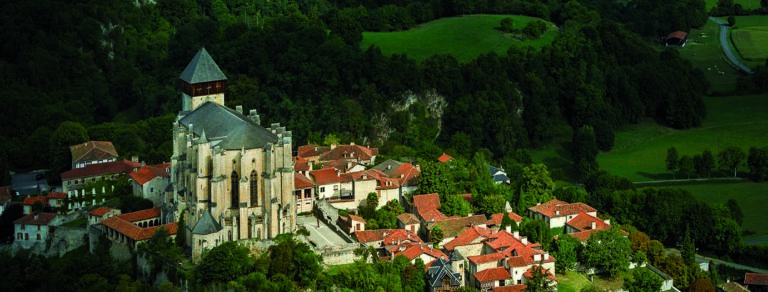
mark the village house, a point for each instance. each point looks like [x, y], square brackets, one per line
[29, 201]
[56, 199]
[33, 228]
[351, 223]
[441, 277]
[100, 214]
[150, 181]
[132, 228]
[756, 282]
[76, 178]
[348, 153]
[415, 250]
[406, 174]
[556, 213]
[92, 152]
[425, 207]
[584, 225]
[385, 238]
[304, 191]
[453, 226]
[408, 222]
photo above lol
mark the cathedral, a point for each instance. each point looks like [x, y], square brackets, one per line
[233, 177]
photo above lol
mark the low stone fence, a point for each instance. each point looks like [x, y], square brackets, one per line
[338, 255]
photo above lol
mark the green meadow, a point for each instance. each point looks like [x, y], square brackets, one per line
[704, 52]
[464, 37]
[751, 197]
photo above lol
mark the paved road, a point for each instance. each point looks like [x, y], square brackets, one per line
[322, 236]
[703, 259]
[726, 47]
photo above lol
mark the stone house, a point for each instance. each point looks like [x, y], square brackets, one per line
[56, 200]
[556, 213]
[304, 191]
[29, 201]
[415, 250]
[76, 178]
[34, 228]
[351, 223]
[408, 222]
[95, 217]
[150, 181]
[92, 152]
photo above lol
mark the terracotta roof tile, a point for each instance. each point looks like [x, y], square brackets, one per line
[32, 200]
[300, 164]
[349, 151]
[453, 226]
[149, 172]
[756, 279]
[39, 219]
[427, 205]
[444, 158]
[528, 274]
[57, 196]
[325, 176]
[408, 219]
[496, 218]
[413, 250]
[124, 166]
[513, 288]
[678, 35]
[584, 222]
[301, 182]
[356, 218]
[135, 232]
[5, 191]
[475, 234]
[406, 174]
[141, 215]
[100, 211]
[312, 150]
[93, 150]
[557, 208]
[493, 257]
[494, 274]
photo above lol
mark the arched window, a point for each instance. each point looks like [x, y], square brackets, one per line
[235, 189]
[255, 189]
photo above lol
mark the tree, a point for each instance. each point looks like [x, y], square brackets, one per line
[731, 158]
[686, 165]
[181, 231]
[537, 231]
[507, 24]
[708, 162]
[224, 263]
[608, 250]
[507, 221]
[702, 285]
[735, 211]
[66, 135]
[371, 203]
[566, 249]
[455, 206]
[758, 163]
[643, 280]
[584, 151]
[436, 234]
[731, 20]
[672, 161]
[688, 249]
[698, 165]
[539, 280]
[535, 184]
[638, 240]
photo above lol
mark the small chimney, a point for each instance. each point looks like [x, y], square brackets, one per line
[333, 146]
[239, 109]
[524, 240]
[546, 256]
[607, 221]
[509, 229]
[537, 257]
[516, 234]
[557, 213]
[352, 143]
[135, 158]
[594, 225]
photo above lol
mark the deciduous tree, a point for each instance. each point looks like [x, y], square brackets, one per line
[708, 162]
[758, 163]
[686, 165]
[608, 250]
[643, 280]
[566, 249]
[672, 161]
[731, 158]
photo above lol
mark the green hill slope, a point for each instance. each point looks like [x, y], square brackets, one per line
[464, 37]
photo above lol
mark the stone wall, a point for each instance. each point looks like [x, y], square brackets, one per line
[61, 241]
[338, 255]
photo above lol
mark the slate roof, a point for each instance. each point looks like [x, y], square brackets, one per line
[150, 172]
[206, 224]
[202, 68]
[124, 166]
[230, 128]
[39, 219]
[388, 167]
[141, 215]
[301, 182]
[756, 279]
[93, 150]
[438, 270]
[494, 274]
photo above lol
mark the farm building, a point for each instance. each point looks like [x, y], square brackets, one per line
[678, 38]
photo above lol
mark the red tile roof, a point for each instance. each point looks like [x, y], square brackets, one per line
[141, 215]
[325, 176]
[57, 196]
[427, 205]
[387, 236]
[100, 211]
[93, 150]
[444, 158]
[408, 219]
[135, 232]
[496, 218]
[312, 150]
[756, 279]
[493, 257]
[584, 221]
[678, 35]
[32, 200]
[399, 236]
[149, 172]
[412, 251]
[301, 182]
[300, 164]
[406, 174]
[513, 288]
[528, 274]
[349, 151]
[494, 274]
[358, 176]
[356, 218]
[475, 234]
[583, 235]
[39, 219]
[453, 226]
[551, 208]
[124, 166]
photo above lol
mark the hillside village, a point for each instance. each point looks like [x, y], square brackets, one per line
[230, 179]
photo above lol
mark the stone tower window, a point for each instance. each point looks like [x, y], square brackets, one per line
[255, 189]
[235, 191]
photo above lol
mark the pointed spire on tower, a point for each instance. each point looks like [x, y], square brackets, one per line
[202, 139]
[202, 68]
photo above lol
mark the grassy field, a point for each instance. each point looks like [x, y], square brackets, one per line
[574, 282]
[705, 53]
[750, 37]
[732, 121]
[747, 4]
[752, 198]
[640, 150]
[464, 37]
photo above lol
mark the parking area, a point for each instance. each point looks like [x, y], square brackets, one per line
[320, 235]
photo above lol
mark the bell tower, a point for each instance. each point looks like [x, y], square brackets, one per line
[202, 81]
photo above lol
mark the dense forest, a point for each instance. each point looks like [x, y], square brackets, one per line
[111, 68]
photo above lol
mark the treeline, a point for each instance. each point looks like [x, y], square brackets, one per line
[729, 159]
